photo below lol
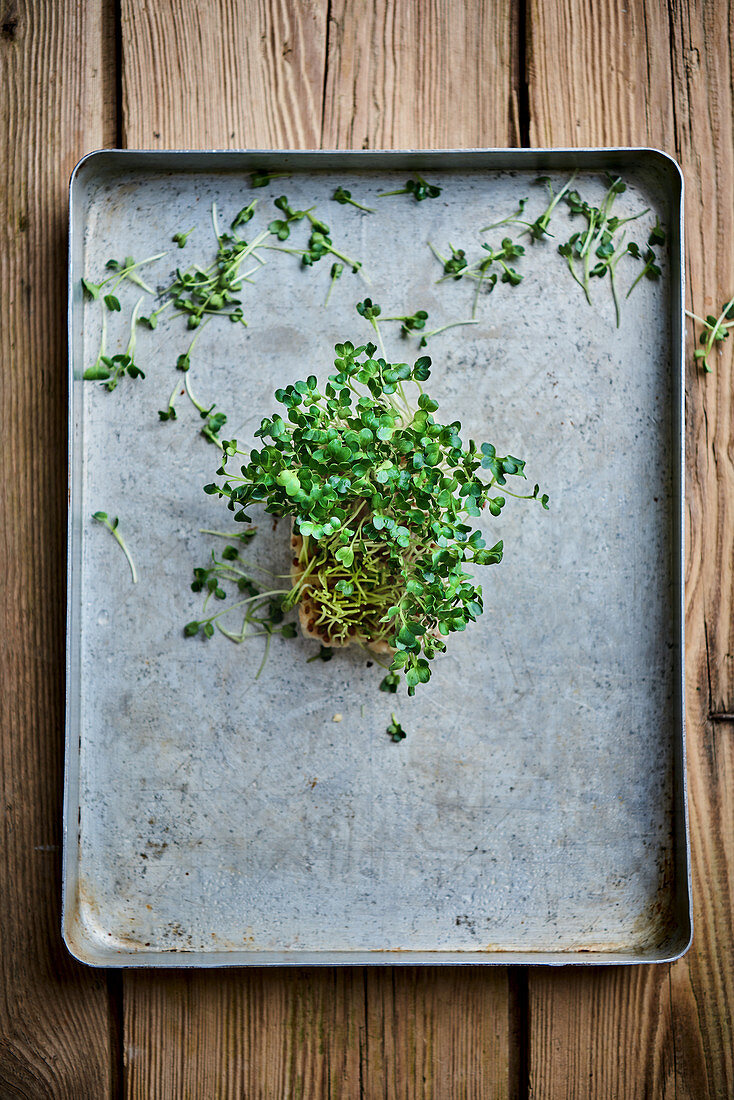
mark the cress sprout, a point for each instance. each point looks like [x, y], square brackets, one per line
[341, 195]
[113, 527]
[379, 494]
[715, 330]
[418, 188]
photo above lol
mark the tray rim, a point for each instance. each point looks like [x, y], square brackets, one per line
[80, 941]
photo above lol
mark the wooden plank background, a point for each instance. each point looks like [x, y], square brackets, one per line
[81, 74]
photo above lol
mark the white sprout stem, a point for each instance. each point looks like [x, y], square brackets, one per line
[172, 398]
[190, 394]
[130, 350]
[452, 324]
[127, 554]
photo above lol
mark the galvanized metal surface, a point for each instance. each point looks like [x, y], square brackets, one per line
[536, 812]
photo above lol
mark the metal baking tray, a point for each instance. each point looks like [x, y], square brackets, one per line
[536, 812]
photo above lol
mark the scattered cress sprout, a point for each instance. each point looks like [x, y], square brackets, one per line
[453, 265]
[715, 330]
[281, 227]
[320, 245]
[651, 270]
[110, 369]
[335, 273]
[418, 188]
[261, 177]
[426, 336]
[122, 271]
[410, 324]
[181, 238]
[261, 611]
[112, 527]
[590, 253]
[344, 197]
[456, 266]
[599, 247]
[537, 229]
[395, 731]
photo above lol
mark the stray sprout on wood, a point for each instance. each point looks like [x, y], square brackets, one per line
[112, 527]
[715, 330]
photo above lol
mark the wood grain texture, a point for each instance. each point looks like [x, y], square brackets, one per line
[319, 1033]
[421, 74]
[702, 48]
[439, 1032]
[254, 1034]
[223, 74]
[599, 73]
[643, 73]
[603, 1033]
[57, 79]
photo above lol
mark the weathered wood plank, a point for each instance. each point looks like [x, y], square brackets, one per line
[603, 1033]
[644, 73]
[418, 75]
[222, 74]
[57, 77]
[298, 1033]
[261, 1033]
[435, 1033]
[702, 48]
[599, 73]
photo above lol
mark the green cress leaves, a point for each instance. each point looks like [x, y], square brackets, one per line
[181, 238]
[261, 177]
[597, 249]
[379, 492]
[715, 330]
[341, 195]
[110, 369]
[395, 731]
[590, 253]
[261, 612]
[418, 188]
